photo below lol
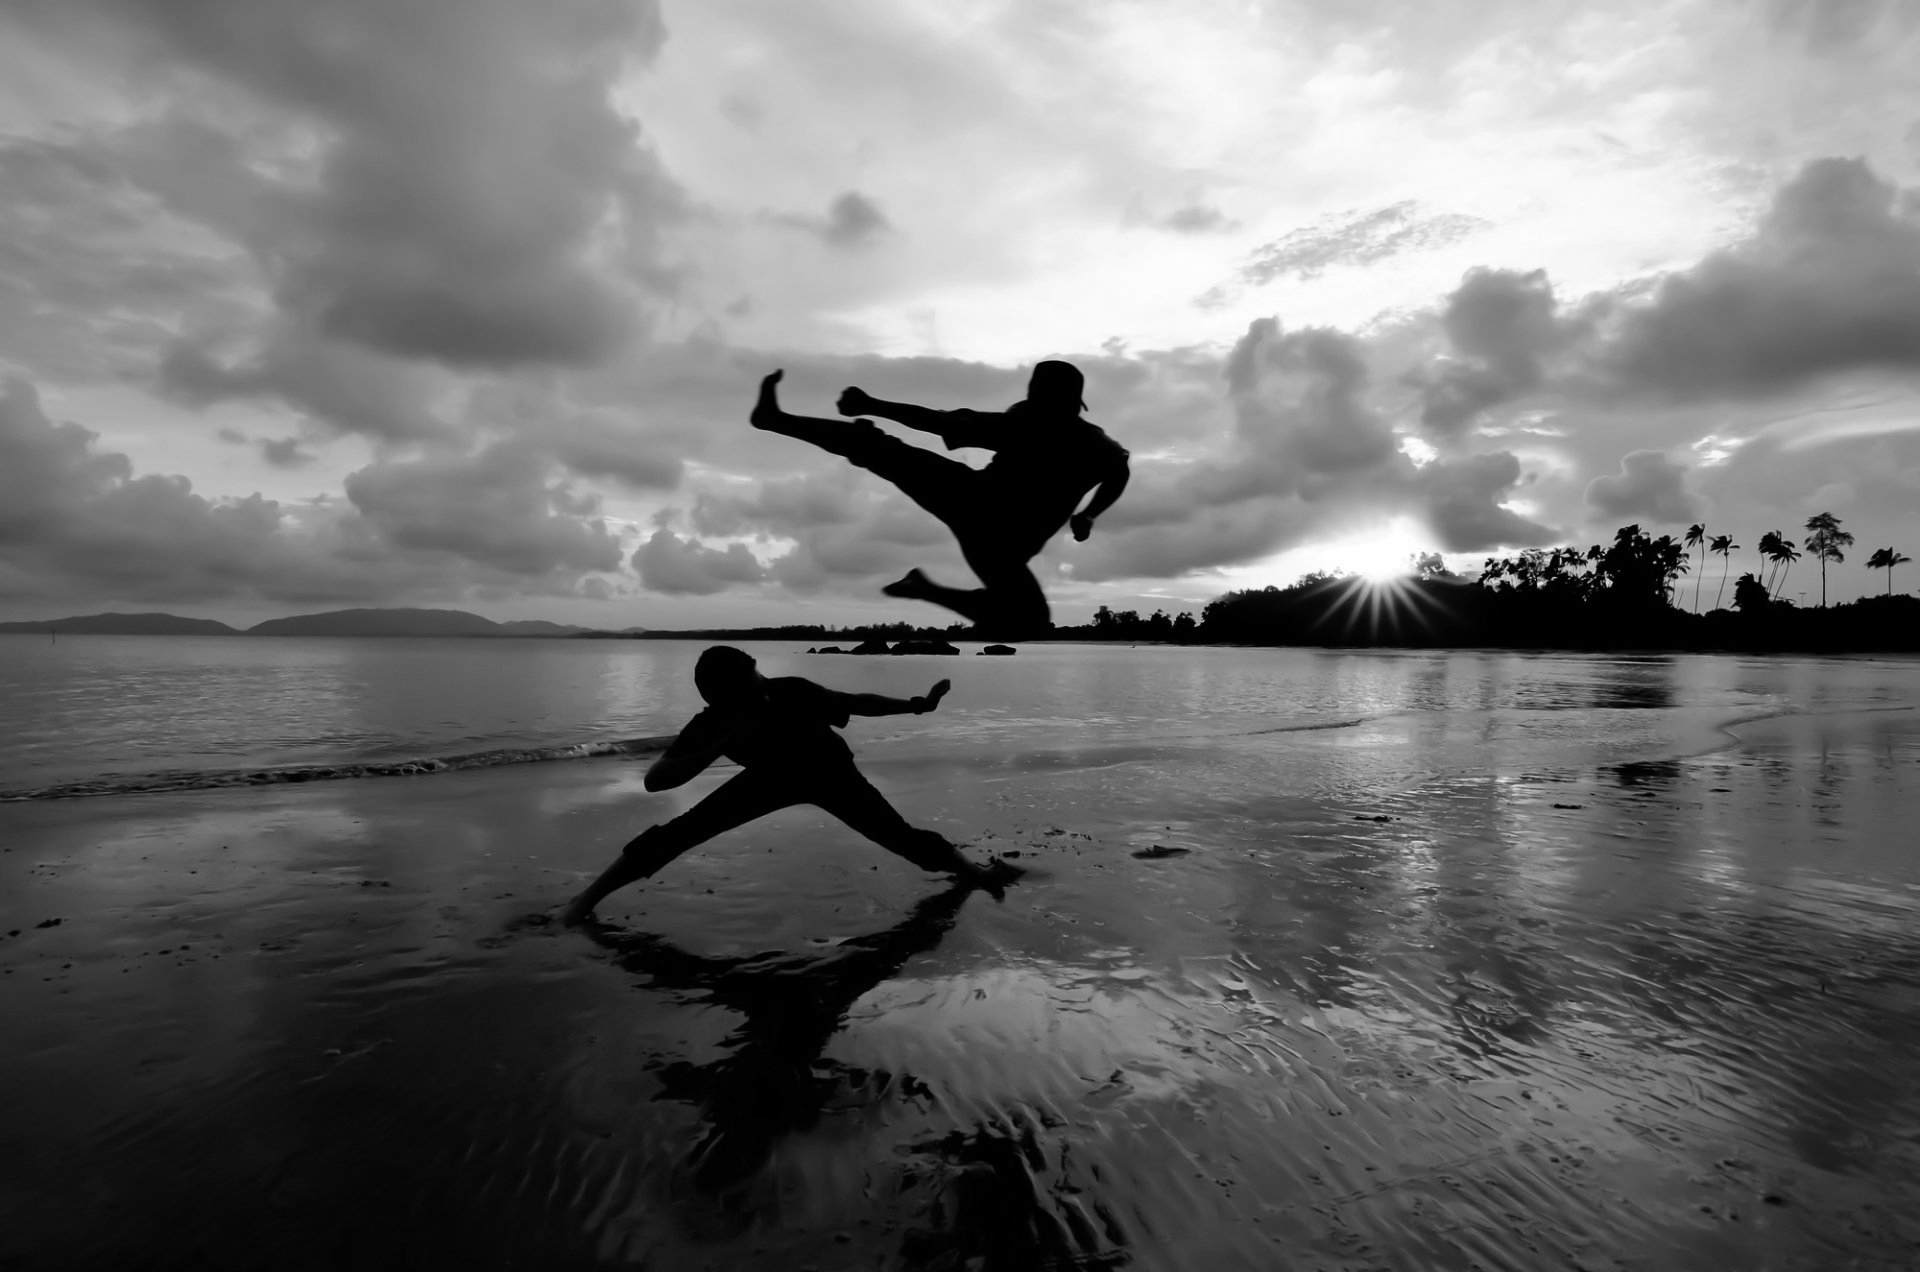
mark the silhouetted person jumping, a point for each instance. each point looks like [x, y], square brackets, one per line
[1047, 460]
[781, 733]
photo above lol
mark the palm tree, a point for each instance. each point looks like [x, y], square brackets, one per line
[1782, 553]
[1825, 538]
[1671, 559]
[1769, 559]
[1886, 559]
[1697, 538]
[1726, 547]
[1788, 554]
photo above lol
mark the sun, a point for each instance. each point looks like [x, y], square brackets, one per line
[1379, 555]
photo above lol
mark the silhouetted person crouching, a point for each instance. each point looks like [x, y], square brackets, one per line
[1046, 461]
[781, 733]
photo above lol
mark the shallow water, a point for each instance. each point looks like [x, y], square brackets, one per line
[1611, 963]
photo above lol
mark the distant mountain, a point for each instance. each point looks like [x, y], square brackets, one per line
[125, 625]
[404, 622]
[538, 627]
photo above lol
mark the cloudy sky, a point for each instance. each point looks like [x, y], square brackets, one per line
[315, 303]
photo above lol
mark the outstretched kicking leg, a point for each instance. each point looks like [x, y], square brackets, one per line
[850, 439]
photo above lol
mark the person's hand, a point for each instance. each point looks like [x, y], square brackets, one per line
[855, 402]
[1081, 525]
[931, 699]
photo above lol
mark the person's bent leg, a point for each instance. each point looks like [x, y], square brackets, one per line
[1011, 606]
[976, 604]
[744, 797]
[855, 801]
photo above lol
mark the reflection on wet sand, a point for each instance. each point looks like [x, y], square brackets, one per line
[772, 1080]
[982, 1185]
[1439, 997]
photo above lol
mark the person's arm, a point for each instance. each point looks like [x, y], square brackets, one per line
[1104, 496]
[879, 704]
[955, 428]
[698, 745]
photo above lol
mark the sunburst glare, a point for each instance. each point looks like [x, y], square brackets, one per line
[1378, 555]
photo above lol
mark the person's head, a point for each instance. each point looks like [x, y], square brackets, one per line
[726, 676]
[1057, 386]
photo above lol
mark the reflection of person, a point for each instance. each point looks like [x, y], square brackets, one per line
[781, 733]
[1046, 461]
[769, 1081]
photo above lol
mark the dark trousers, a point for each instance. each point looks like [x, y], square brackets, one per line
[993, 538]
[753, 793]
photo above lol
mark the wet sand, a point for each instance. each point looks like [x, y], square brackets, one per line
[1242, 1014]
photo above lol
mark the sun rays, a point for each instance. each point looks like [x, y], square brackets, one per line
[1380, 607]
[1380, 594]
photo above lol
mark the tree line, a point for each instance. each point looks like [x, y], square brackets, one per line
[1628, 593]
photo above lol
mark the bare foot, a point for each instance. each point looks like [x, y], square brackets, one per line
[766, 411]
[913, 586]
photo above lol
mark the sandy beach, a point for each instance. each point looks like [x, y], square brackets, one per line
[1241, 1014]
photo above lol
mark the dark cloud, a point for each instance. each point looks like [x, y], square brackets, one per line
[743, 110]
[1302, 416]
[495, 507]
[686, 567]
[1502, 324]
[1202, 539]
[786, 507]
[850, 559]
[1196, 218]
[347, 389]
[851, 221]
[476, 198]
[854, 220]
[284, 452]
[596, 445]
[78, 522]
[1649, 487]
[90, 287]
[1838, 27]
[1462, 498]
[1829, 282]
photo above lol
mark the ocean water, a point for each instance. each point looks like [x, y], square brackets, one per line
[108, 714]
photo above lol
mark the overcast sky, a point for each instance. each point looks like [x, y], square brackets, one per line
[315, 303]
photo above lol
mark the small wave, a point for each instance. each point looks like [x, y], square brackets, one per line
[1316, 726]
[208, 779]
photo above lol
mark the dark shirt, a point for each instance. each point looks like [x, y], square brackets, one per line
[793, 726]
[1043, 464]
